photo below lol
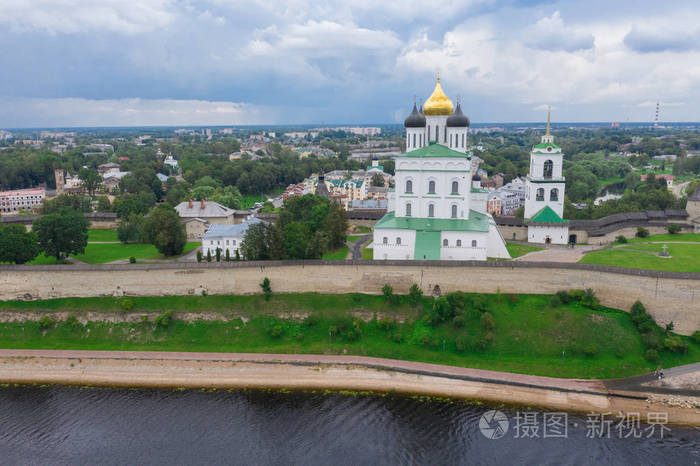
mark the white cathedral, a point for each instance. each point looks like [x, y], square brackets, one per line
[435, 211]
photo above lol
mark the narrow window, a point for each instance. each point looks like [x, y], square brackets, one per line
[454, 211]
[459, 243]
[385, 240]
[455, 187]
[408, 209]
[540, 194]
[431, 210]
[445, 243]
[414, 140]
[548, 169]
[473, 243]
[431, 187]
[554, 195]
[409, 186]
[398, 240]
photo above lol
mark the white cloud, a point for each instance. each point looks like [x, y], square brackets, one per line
[79, 16]
[550, 33]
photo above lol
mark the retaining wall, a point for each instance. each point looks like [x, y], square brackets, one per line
[669, 296]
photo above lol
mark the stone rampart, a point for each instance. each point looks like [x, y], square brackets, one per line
[669, 296]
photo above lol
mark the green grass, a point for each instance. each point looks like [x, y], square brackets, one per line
[250, 199]
[352, 238]
[337, 254]
[361, 229]
[97, 253]
[367, 253]
[102, 235]
[689, 237]
[529, 334]
[685, 257]
[517, 250]
[42, 259]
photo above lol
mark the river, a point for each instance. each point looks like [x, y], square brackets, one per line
[68, 425]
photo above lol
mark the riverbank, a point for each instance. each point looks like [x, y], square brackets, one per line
[287, 371]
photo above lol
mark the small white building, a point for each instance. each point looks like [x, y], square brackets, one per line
[226, 237]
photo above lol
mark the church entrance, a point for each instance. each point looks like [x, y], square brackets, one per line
[548, 240]
[572, 239]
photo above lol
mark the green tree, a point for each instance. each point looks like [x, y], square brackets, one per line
[17, 245]
[164, 230]
[103, 204]
[254, 246]
[71, 201]
[130, 230]
[377, 180]
[91, 179]
[62, 233]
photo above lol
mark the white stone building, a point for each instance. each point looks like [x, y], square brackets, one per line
[435, 213]
[226, 237]
[544, 194]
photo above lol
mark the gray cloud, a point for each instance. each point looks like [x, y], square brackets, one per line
[662, 40]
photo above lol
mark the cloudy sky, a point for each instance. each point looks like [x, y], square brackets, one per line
[219, 62]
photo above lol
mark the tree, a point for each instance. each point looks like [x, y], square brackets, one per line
[91, 179]
[71, 201]
[130, 230]
[62, 233]
[103, 204]
[17, 245]
[336, 225]
[164, 230]
[377, 180]
[254, 246]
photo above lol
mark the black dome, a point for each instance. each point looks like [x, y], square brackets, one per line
[457, 119]
[415, 119]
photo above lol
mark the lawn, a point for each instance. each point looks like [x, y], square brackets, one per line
[102, 253]
[352, 238]
[531, 334]
[367, 253]
[361, 229]
[689, 237]
[517, 250]
[337, 254]
[102, 235]
[684, 257]
[42, 259]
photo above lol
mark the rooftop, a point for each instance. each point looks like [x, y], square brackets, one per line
[546, 215]
[206, 209]
[435, 150]
[476, 222]
[226, 231]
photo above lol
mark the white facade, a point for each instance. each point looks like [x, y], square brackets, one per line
[548, 234]
[226, 238]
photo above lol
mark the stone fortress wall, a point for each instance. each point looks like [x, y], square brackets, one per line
[669, 296]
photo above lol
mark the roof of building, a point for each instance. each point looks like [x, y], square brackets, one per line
[546, 215]
[438, 103]
[415, 119]
[545, 145]
[435, 150]
[227, 231]
[458, 119]
[476, 222]
[208, 210]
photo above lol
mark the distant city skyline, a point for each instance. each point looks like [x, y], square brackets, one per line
[220, 62]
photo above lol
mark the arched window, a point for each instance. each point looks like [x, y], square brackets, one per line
[445, 243]
[451, 140]
[431, 187]
[385, 240]
[414, 140]
[473, 243]
[428, 133]
[409, 186]
[548, 168]
[398, 240]
[554, 195]
[431, 210]
[437, 133]
[459, 243]
[462, 141]
[454, 210]
[540, 194]
[408, 209]
[445, 133]
[455, 187]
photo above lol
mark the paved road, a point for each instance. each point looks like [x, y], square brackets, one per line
[556, 253]
[673, 378]
[356, 247]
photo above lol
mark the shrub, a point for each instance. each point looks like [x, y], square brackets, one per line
[275, 330]
[132, 260]
[126, 304]
[164, 320]
[669, 327]
[397, 337]
[676, 344]
[386, 323]
[590, 300]
[459, 321]
[489, 337]
[354, 332]
[440, 311]
[651, 355]
[461, 342]
[619, 353]
[46, 323]
[218, 254]
[673, 228]
[650, 340]
[199, 256]
[696, 337]
[481, 345]
[311, 320]
[576, 295]
[266, 288]
[415, 294]
[487, 321]
[637, 308]
[513, 298]
[73, 322]
[479, 303]
[590, 350]
[642, 232]
[238, 255]
[387, 291]
[228, 256]
[144, 318]
[564, 296]
[621, 239]
[300, 336]
[208, 255]
[555, 301]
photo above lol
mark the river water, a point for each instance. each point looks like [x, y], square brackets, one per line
[64, 425]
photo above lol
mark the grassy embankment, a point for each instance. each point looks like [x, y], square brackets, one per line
[530, 334]
[517, 250]
[684, 257]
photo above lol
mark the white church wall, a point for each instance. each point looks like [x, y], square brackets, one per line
[539, 234]
[472, 245]
[532, 205]
[393, 249]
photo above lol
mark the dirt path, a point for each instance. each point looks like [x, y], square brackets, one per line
[225, 370]
[356, 247]
[556, 254]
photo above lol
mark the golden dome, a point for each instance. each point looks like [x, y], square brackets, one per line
[438, 103]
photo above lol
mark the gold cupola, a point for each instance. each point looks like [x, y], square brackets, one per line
[438, 103]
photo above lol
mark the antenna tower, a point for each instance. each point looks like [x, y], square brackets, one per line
[656, 118]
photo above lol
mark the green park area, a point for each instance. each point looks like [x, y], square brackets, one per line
[337, 254]
[683, 257]
[566, 335]
[517, 250]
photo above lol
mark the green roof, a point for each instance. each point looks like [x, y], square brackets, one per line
[544, 145]
[479, 190]
[435, 150]
[476, 222]
[546, 215]
[427, 245]
[379, 167]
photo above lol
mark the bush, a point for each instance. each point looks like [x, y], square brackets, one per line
[208, 255]
[673, 228]
[621, 239]
[669, 327]
[266, 288]
[387, 291]
[440, 311]
[311, 320]
[144, 318]
[386, 323]
[238, 255]
[513, 298]
[275, 330]
[696, 337]
[126, 304]
[642, 232]
[481, 345]
[73, 322]
[415, 294]
[46, 323]
[564, 296]
[555, 301]
[590, 350]
[228, 255]
[459, 321]
[479, 303]
[487, 321]
[132, 260]
[461, 342]
[590, 300]
[576, 295]
[164, 320]
[676, 344]
[651, 355]
[650, 340]
[218, 254]
[300, 336]
[199, 255]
